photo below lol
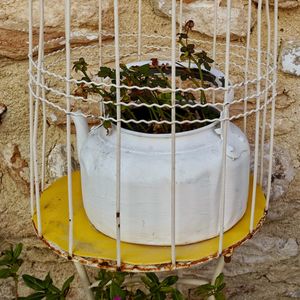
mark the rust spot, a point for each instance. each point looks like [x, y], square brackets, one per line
[228, 255]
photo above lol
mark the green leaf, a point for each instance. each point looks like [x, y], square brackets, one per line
[101, 275]
[219, 280]
[209, 60]
[53, 289]
[139, 295]
[34, 283]
[48, 280]
[144, 69]
[166, 289]
[66, 285]
[9, 254]
[153, 277]
[147, 282]
[54, 297]
[221, 287]
[169, 281]
[80, 65]
[182, 36]
[107, 72]
[176, 295]
[14, 268]
[207, 66]
[115, 290]
[35, 296]
[5, 273]
[159, 296]
[5, 261]
[18, 250]
[204, 289]
[220, 296]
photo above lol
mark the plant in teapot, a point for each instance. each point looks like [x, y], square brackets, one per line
[193, 69]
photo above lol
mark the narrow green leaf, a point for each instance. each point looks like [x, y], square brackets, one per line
[48, 280]
[5, 261]
[221, 287]
[5, 273]
[219, 280]
[14, 268]
[139, 295]
[166, 289]
[176, 295]
[147, 282]
[18, 250]
[169, 281]
[153, 277]
[115, 291]
[34, 283]
[220, 296]
[66, 285]
[53, 289]
[35, 296]
[204, 289]
[50, 296]
[207, 66]
[119, 277]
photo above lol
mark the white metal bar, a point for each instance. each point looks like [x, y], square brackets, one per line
[139, 29]
[178, 284]
[32, 205]
[273, 102]
[180, 16]
[118, 137]
[247, 61]
[263, 132]
[216, 6]
[84, 280]
[225, 130]
[100, 50]
[173, 134]
[43, 135]
[180, 31]
[69, 148]
[256, 151]
[36, 118]
[219, 269]
[100, 31]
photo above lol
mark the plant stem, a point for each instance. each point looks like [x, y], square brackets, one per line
[16, 280]
[203, 98]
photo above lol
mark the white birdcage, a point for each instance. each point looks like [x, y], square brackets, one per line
[164, 182]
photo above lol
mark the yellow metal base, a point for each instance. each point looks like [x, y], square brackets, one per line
[93, 248]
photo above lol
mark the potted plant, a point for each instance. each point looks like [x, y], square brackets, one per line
[146, 152]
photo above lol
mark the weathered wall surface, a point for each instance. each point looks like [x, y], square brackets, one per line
[268, 266]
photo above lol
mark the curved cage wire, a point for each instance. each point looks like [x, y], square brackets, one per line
[240, 89]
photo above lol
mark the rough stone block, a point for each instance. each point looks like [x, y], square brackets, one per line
[17, 167]
[290, 58]
[202, 12]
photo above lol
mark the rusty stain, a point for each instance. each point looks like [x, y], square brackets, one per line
[111, 264]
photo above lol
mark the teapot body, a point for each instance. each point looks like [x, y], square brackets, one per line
[146, 183]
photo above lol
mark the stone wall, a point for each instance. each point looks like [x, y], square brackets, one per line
[266, 267]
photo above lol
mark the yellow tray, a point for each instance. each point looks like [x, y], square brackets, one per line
[93, 248]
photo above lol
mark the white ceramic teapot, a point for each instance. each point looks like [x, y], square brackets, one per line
[146, 181]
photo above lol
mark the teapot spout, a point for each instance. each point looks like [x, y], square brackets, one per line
[82, 130]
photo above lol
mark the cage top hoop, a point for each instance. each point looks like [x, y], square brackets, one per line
[242, 90]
